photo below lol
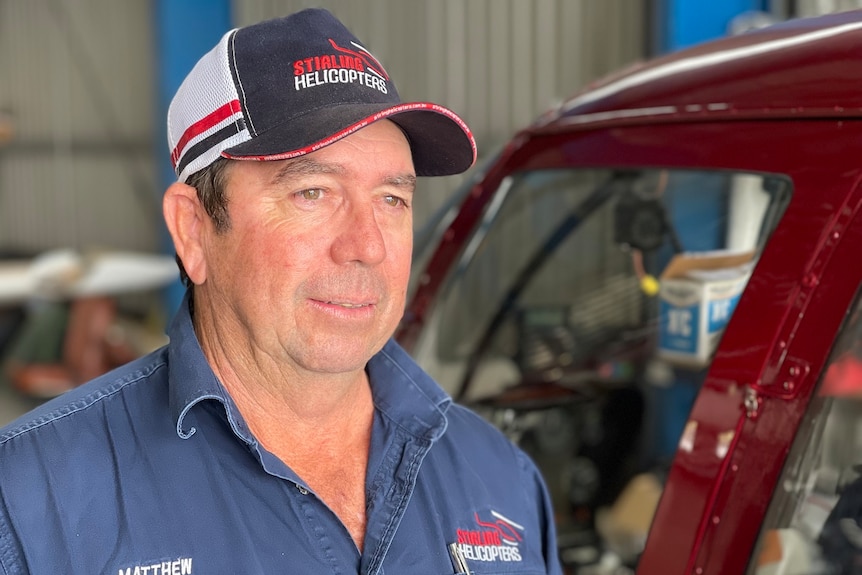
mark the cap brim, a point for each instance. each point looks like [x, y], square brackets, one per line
[440, 141]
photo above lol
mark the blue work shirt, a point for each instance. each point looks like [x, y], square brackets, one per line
[151, 470]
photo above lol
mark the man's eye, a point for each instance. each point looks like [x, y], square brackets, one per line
[312, 194]
[395, 201]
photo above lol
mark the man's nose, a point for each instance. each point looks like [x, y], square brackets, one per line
[360, 238]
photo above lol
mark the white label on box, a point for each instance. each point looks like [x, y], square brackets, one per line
[681, 326]
[720, 312]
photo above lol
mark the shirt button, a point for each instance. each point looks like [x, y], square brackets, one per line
[302, 489]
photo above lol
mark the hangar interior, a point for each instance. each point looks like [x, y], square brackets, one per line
[84, 86]
[83, 154]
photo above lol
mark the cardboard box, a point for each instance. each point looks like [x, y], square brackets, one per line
[698, 293]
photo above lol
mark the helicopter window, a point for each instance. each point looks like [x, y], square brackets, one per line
[569, 262]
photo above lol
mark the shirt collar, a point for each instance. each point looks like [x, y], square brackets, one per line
[191, 379]
[402, 391]
[406, 394]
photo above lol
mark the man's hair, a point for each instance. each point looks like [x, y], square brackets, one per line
[210, 183]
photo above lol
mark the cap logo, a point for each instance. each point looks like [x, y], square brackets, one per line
[348, 67]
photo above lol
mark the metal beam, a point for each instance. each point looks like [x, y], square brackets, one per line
[120, 148]
[679, 24]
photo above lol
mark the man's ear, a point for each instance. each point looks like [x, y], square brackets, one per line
[187, 223]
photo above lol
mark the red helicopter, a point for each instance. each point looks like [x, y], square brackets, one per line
[654, 288]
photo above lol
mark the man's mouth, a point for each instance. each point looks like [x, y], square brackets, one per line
[348, 305]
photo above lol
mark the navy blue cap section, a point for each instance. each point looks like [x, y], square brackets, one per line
[306, 81]
[288, 68]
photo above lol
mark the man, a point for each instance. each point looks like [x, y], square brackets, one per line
[280, 431]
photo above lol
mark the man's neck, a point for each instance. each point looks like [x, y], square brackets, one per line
[318, 425]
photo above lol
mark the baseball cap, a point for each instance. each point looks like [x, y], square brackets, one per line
[289, 86]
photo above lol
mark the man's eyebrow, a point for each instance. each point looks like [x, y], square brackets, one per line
[405, 181]
[310, 166]
[305, 167]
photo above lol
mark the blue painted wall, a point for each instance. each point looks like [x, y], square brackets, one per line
[683, 23]
[185, 30]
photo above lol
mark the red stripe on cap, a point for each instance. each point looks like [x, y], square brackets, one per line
[202, 125]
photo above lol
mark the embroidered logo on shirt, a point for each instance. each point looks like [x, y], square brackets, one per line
[497, 539]
[182, 566]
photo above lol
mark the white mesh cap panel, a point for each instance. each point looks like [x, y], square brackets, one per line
[205, 116]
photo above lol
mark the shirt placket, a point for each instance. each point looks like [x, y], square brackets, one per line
[390, 502]
[342, 555]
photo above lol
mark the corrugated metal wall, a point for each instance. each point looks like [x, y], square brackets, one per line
[76, 77]
[76, 81]
[815, 7]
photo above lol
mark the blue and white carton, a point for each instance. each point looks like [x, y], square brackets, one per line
[698, 293]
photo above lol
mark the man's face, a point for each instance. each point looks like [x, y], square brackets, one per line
[313, 270]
